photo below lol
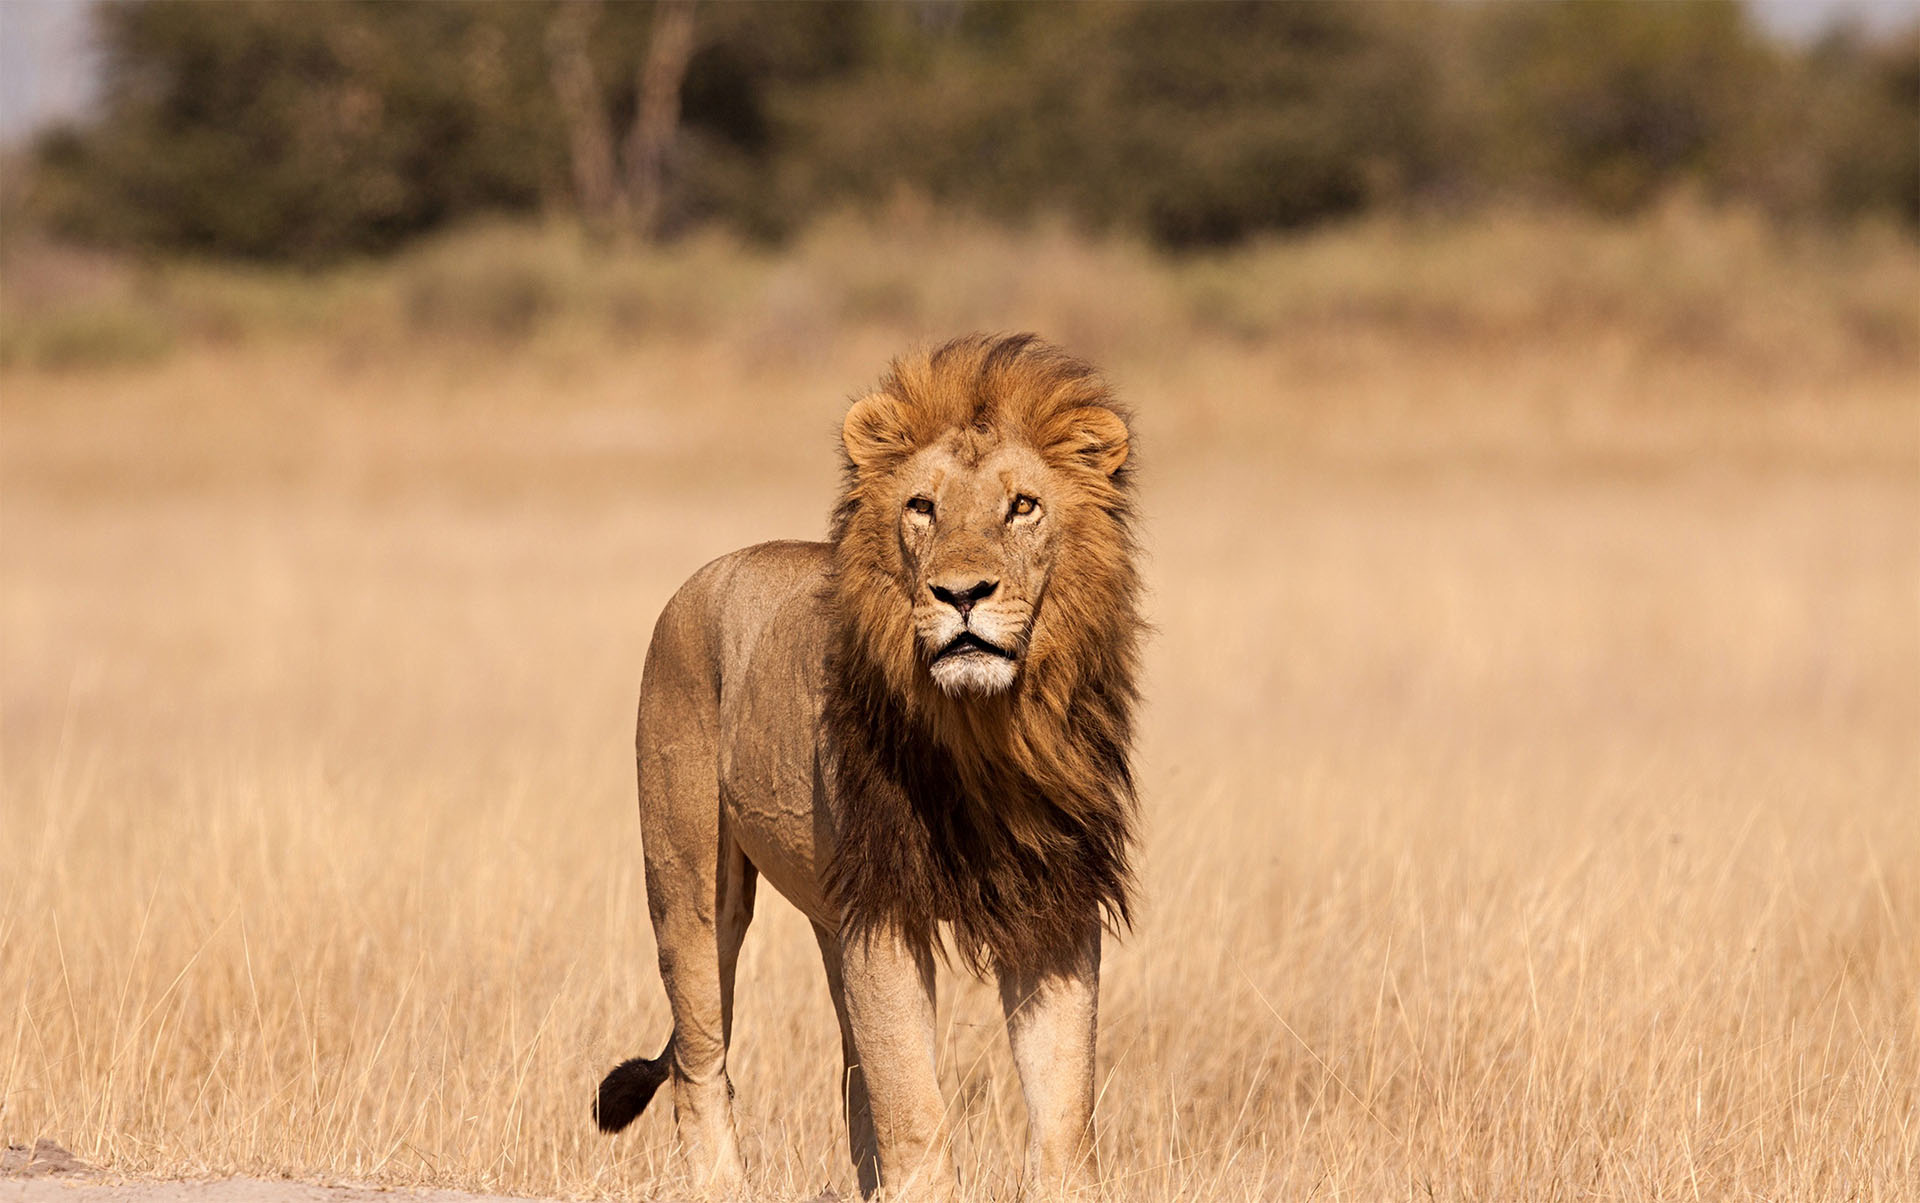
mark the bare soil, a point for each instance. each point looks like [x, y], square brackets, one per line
[48, 1173]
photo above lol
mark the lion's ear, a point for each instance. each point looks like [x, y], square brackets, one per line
[875, 430]
[1096, 437]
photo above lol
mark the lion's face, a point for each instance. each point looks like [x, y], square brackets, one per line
[977, 544]
[982, 546]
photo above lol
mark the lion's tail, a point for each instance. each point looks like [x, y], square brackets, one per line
[625, 1092]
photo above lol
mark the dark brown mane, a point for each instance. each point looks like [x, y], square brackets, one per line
[1011, 818]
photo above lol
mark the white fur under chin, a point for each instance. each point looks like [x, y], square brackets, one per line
[975, 673]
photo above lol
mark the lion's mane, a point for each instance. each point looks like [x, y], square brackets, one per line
[1009, 818]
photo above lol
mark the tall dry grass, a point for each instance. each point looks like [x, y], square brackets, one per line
[1533, 797]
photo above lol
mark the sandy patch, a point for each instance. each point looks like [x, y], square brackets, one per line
[47, 1173]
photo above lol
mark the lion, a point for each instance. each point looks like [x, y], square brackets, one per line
[921, 726]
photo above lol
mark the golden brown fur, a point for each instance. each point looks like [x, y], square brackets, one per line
[1009, 817]
[924, 721]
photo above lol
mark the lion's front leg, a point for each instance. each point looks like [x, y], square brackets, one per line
[1052, 1014]
[890, 1007]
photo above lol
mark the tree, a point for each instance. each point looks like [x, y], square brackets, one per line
[610, 200]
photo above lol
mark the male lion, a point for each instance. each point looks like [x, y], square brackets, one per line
[921, 722]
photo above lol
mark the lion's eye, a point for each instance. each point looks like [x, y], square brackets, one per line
[921, 505]
[1021, 507]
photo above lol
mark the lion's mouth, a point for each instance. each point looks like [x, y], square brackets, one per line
[966, 643]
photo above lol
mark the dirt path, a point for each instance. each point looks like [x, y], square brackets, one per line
[66, 1188]
[47, 1173]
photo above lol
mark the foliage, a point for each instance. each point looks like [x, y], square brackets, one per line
[308, 132]
[305, 131]
[1868, 111]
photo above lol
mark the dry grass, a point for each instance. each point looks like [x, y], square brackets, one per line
[1530, 764]
[1684, 279]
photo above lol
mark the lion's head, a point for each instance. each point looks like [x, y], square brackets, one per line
[984, 526]
[985, 592]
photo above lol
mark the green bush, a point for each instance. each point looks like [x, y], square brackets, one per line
[307, 131]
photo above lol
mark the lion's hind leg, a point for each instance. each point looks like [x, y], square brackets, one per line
[698, 954]
[697, 964]
[700, 890]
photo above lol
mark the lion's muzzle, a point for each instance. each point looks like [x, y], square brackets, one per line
[969, 652]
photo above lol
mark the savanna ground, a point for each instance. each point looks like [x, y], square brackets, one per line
[1531, 762]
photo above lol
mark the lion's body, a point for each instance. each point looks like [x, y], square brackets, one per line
[735, 677]
[920, 724]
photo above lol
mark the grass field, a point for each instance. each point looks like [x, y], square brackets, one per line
[1531, 760]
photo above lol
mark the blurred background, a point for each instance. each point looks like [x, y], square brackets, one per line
[310, 133]
[182, 171]
[1529, 409]
[331, 135]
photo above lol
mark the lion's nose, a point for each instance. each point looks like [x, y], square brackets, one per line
[963, 597]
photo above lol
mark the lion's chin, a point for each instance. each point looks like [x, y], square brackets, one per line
[972, 674]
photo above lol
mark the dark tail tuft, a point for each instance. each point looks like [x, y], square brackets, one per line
[625, 1092]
